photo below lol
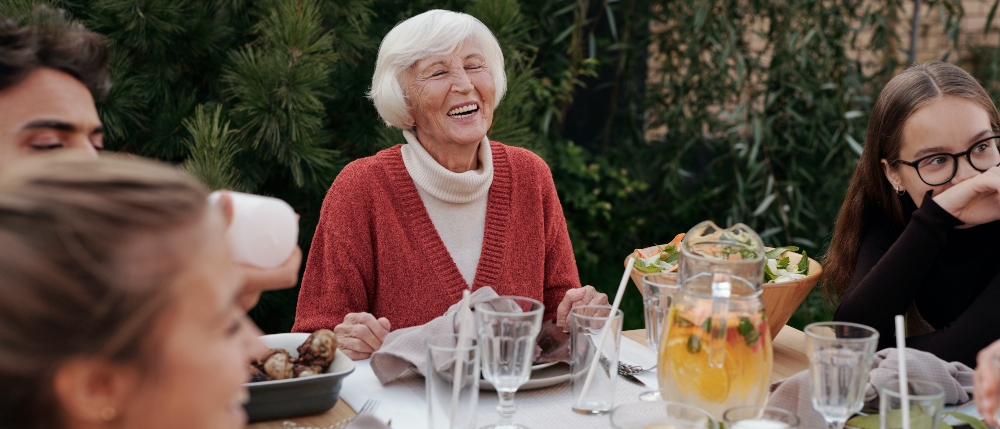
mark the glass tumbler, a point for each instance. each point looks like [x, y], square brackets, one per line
[661, 415]
[752, 417]
[452, 380]
[926, 400]
[657, 294]
[594, 345]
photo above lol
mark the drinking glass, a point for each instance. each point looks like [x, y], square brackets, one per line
[657, 294]
[594, 337]
[452, 377]
[752, 417]
[926, 400]
[840, 357]
[661, 414]
[508, 327]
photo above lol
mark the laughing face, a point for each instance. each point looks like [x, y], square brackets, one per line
[451, 97]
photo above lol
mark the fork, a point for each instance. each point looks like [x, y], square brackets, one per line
[369, 407]
[632, 369]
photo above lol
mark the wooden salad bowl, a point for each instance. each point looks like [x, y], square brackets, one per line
[780, 299]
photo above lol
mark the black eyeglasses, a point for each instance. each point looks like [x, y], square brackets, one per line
[939, 168]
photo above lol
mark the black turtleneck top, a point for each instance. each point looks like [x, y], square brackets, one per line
[950, 274]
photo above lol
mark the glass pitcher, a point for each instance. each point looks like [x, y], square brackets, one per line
[716, 350]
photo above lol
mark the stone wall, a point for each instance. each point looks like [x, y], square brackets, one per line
[933, 43]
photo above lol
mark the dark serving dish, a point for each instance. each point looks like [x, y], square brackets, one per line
[278, 399]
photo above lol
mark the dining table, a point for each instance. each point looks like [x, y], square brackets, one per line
[789, 358]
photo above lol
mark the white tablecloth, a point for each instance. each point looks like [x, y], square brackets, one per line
[403, 401]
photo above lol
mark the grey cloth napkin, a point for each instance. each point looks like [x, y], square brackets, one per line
[366, 421]
[794, 394]
[403, 350]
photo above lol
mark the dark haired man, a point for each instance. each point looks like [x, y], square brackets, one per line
[50, 71]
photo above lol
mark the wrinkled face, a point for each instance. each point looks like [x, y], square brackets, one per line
[46, 111]
[948, 124]
[451, 97]
[203, 345]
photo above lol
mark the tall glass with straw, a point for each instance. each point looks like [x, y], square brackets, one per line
[508, 327]
[840, 357]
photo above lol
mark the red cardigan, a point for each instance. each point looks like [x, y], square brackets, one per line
[377, 251]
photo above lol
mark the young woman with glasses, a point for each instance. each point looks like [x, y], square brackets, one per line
[918, 229]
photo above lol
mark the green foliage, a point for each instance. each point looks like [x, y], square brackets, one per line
[653, 115]
[212, 147]
[761, 108]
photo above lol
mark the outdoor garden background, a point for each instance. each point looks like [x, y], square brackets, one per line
[653, 115]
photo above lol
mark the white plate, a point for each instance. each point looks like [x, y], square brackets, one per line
[549, 375]
[542, 366]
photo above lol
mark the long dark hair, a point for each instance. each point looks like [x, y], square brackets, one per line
[870, 191]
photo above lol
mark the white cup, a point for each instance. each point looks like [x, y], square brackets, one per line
[264, 230]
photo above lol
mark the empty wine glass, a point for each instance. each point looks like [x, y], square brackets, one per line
[840, 357]
[508, 327]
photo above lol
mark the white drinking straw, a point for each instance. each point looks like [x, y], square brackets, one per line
[604, 333]
[904, 394]
[456, 379]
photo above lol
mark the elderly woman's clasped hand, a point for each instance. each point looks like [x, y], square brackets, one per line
[362, 334]
[586, 295]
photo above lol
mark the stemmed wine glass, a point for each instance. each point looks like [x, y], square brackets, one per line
[840, 357]
[508, 327]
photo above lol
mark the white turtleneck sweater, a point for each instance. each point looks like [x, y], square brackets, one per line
[455, 202]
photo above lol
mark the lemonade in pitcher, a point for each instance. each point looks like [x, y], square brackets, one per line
[685, 370]
[715, 352]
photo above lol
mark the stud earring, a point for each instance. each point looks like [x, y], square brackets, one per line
[108, 413]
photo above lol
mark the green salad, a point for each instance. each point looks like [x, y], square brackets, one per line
[779, 268]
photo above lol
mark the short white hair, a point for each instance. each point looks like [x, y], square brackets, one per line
[435, 32]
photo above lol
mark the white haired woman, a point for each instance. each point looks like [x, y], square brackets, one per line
[403, 233]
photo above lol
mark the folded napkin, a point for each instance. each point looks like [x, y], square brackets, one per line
[794, 394]
[403, 350]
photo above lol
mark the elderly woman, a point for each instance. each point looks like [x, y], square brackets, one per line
[403, 233]
[118, 300]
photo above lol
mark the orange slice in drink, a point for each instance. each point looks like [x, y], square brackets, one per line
[691, 371]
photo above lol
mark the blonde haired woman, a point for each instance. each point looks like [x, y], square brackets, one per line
[118, 300]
